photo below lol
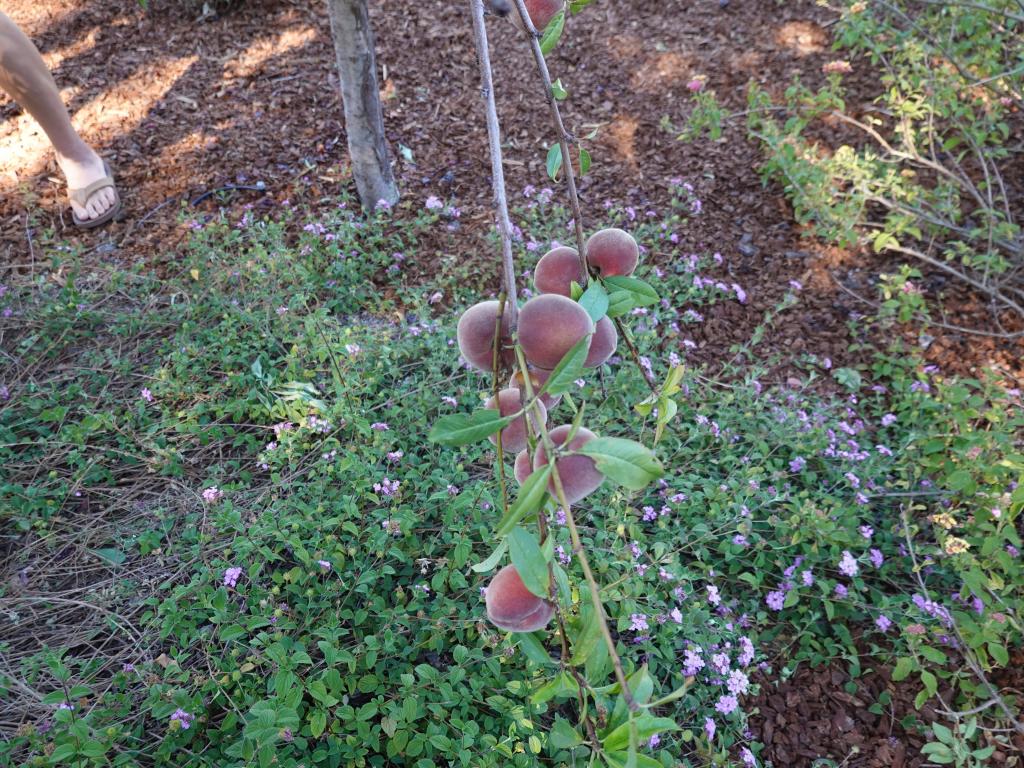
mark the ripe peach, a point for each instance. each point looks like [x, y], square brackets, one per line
[541, 13]
[578, 474]
[612, 252]
[537, 378]
[603, 345]
[523, 467]
[513, 437]
[549, 326]
[512, 607]
[557, 269]
[475, 335]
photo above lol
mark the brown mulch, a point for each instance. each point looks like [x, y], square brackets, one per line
[182, 106]
[814, 715]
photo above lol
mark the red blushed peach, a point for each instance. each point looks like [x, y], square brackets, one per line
[513, 437]
[514, 608]
[541, 12]
[475, 335]
[578, 473]
[603, 345]
[549, 326]
[612, 252]
[537, 378]
[523, 467]
[556, 271]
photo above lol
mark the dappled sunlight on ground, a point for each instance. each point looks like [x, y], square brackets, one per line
[802, 37]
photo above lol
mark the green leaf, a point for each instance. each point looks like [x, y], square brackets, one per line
[562, 685]
[62, 753]
[626, 293]
[552, 33]
[112, 556]
[554, 161]
[646, 725]
[904, 666]
[569, 368]
[588, 636]
[961, 480]
[624, 461]
[529, 561]
[595, 300]
[563, 736]
[933, 655]
[558, 90]
[531, 497]
[491, 562]
[534, 649]
[584, 161]
[317, 723]
[626, 760]
[461, 429]
[999, 653]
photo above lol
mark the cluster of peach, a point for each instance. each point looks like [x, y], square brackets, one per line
[550, 325]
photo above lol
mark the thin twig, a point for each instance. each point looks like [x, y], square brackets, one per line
[564, 137]
[497, 170]
[577, 545]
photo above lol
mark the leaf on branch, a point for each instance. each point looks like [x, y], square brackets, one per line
[491, 562]
[569, 368]
[529, 561]
[595, 300]
[584, 161]
[553, 33]
[626, 293]
[554, 161]
[531, 497]
[563, 736]
[462, 429]
[558, 90]
[624, 461]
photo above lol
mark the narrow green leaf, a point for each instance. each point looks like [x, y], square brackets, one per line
[531, 497]
[558, 90]
[491, 562]
[462, 429]
[552, 34]
[554, 161]
[646, 726]
[626, 293]
[624, 461]
[587, 636]
[569, 368]
[584, 161]
[534, 649]
[595, 300]
[529, 561]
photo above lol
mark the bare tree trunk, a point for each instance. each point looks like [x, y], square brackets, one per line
[364, 121]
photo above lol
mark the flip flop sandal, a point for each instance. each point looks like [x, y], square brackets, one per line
[81, 197]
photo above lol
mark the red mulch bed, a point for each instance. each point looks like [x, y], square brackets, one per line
[181, 106]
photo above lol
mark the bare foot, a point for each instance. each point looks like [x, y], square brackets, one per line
[80, 173]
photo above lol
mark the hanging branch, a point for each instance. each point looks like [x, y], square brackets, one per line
[497, 170]
[564, 137]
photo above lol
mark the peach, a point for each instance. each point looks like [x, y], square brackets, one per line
[513, 437]
[475, 335]
[612, 252]
[549, 326]
[603, 345]
[556, 271]
[537, 378]
[523, 467]
[541, 13]
[578, 473]
[512, 607]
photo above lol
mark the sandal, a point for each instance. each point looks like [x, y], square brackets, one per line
[81, 198]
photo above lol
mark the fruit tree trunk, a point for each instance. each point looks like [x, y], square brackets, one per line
[364, 120]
